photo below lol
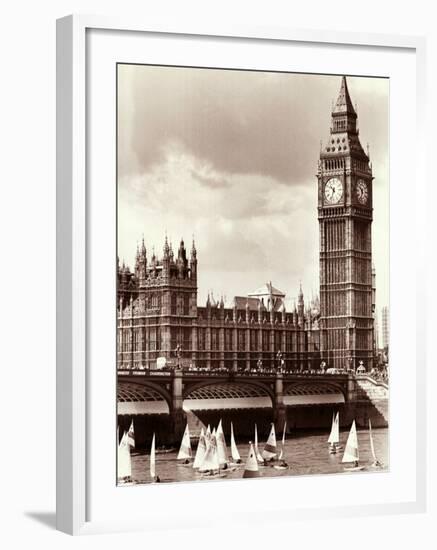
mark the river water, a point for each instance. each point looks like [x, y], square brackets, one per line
[306, 454]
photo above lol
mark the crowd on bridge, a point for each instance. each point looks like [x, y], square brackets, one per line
[375, 373]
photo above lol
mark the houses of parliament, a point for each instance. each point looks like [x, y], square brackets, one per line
[158, 315]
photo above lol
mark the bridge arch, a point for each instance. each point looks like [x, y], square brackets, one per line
[314, 393]
[138, 398]
[222, 395]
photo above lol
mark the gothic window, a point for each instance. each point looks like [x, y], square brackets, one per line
[186, 344]
[265, 340]
[288, 341]
[201, 338]
[214, 339]
[173, 304]
[186, 304]
[228, 339]
[253, 340]
[278, 341]
[241, 340]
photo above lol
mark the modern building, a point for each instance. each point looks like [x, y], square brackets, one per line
[159, 320]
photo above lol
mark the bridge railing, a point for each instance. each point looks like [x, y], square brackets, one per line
[219, 374]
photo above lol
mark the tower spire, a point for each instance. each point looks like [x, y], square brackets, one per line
[344, 117]
[344, 103]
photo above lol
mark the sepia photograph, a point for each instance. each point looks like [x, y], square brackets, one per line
[252, 300]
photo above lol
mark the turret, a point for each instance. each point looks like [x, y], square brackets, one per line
[222, 308]
[182, 260]
[153, 262]
[300, 308]
[283, 313]
[193, 261]
[247, 311]
[142, 263]
[166, 259]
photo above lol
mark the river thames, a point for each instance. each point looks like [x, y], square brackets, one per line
[306, 454]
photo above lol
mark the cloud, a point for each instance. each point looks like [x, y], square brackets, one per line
[231, 157]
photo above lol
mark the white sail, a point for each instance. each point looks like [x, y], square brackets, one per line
[131, 435]
[372, 446]
[152, 459]
[257, 453]
[251, 468]
[234, 449]
[270, 446]
[351, 451]
[281, 454]
[334, 436]
[185, 449]
[211, 460]
[201, 450]
[331, 435]
[124, 463]
[221, 445]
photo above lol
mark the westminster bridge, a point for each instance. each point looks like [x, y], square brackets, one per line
[164, 401]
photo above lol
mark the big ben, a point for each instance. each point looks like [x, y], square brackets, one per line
[345, 230]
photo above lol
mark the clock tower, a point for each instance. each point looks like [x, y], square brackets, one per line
[345, 222]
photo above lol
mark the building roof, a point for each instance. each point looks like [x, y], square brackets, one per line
[267, 290]
[241, 301]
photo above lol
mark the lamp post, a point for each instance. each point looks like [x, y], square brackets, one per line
[259, 364]
[178, 353]
[279, 358]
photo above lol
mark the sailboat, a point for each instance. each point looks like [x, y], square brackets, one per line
[351, 453]
[269, 452]
[234, 449]
[257, 453]
[154, 477]
[251, 468]
[334, 436]
[211, 465]
[124, 463]
[376, 463]
[185, 448]
[131, 435]
[221, 447]
[201, 450]
[282, 465]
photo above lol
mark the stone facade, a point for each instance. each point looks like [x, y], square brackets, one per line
[158, 317]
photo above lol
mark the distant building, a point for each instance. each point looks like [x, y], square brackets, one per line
[385, 327]
[376, 331]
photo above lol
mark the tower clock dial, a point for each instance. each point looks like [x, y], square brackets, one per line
[362, 191]
[333, 191]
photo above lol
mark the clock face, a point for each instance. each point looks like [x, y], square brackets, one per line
[333, 191]
[362, 191]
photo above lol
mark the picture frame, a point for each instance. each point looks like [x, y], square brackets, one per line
[75, 200]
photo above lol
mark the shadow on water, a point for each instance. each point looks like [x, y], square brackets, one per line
[45, 518]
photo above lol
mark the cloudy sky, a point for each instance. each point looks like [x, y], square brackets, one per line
[231, 158]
